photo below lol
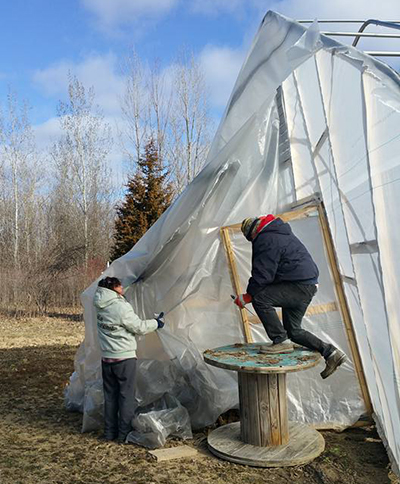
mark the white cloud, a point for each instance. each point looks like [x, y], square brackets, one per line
[238, 7]
[221, 67]
[47, 133]
[117, 13]
[97, 71]
[213, 7]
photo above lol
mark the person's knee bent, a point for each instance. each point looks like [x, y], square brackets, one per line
[295, 334]
[261, 302]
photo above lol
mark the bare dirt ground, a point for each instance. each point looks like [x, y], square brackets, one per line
[40, 442]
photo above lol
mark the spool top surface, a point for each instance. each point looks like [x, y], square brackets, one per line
[248, 358]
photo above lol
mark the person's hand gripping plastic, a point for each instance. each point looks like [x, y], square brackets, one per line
[242, 300]
[160, 320]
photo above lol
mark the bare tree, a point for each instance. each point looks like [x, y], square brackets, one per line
[171, 107]
[19, 176]
[190, 122]
[145, 107]
[135, 109]
[160, 102]
[81, 201]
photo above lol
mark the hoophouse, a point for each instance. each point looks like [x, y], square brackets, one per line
[311, 132]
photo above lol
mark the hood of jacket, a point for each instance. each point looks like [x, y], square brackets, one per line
[104, 297]
[277, 226]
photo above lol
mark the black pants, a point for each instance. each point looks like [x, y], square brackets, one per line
[293, 298]
[119, 400]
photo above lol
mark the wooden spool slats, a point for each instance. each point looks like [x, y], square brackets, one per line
[263, 410]
[283, 411]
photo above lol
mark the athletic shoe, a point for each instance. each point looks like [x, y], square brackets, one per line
[284, 347]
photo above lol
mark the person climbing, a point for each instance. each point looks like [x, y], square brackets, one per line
[117, 325]
[283, 274]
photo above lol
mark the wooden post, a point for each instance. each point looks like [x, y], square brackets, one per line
[263, 409]
[235, 281]
[344, 306]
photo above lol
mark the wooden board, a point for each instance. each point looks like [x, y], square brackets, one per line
[236, 281]
[311, 310]
[305, 444]
[345, 311]
[286, 217]
[173, 453]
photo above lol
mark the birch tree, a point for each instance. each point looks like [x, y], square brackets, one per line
[135, 109]
[82, 195]
[190, 123]
[19, 177]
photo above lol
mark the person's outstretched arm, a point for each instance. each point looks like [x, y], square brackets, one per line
[132, 323]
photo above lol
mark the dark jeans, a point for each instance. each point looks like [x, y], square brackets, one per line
[119, 400]
[293, 298]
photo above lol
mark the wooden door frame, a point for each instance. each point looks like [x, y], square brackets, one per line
[318, 209]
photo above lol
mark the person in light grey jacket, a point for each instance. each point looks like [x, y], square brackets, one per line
[117, 325]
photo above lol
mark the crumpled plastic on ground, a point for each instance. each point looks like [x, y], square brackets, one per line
[93, 416]
[160, 420]
[75, 391]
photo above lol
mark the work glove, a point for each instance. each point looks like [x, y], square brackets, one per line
[160, 320]
[242, 300]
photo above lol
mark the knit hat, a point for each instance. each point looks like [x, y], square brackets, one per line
[252, 226]
[247, 225]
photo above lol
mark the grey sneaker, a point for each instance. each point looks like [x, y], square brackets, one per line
[334, 360]
[271, 349]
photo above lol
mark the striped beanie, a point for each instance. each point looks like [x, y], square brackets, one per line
[252, 226]
[246, 226]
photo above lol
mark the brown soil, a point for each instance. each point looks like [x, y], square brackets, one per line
[41, 443]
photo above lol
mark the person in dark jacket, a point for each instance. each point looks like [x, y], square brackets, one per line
[283, 274]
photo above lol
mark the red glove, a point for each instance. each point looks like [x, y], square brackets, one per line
[242, 300]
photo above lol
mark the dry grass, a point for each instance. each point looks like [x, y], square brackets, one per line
[41, 443]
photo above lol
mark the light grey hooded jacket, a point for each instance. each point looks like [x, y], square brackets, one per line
[117, 324]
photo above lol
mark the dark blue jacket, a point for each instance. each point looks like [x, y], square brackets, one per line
[278, 256]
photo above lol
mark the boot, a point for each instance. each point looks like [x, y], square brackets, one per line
[333, 361]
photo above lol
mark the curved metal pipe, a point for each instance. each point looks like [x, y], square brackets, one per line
[374, 22]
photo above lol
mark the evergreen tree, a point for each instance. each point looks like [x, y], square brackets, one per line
[147, 197]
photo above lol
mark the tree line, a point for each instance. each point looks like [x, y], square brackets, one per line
[63, 219]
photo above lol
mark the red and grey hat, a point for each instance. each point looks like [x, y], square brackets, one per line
[252, 226]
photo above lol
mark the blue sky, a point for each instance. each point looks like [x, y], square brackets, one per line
[41, 40]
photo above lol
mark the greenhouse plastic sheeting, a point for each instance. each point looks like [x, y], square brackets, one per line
[307, 115]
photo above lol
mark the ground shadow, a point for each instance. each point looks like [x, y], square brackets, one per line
[20, 313]
[34, 378]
